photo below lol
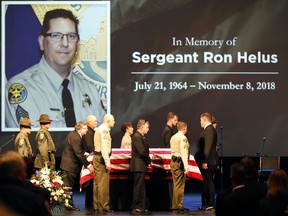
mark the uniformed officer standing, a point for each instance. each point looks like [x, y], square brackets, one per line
[22, 142]
[179, 166]
[127, 129]
[39, 89]
[102, 165]
[46, 147]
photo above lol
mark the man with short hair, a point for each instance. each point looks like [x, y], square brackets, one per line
[237, 200]
[91, 121]
[102, 165]
[51, 86]
[167, 133]
[73, 157]
[179, 166]
[139, 163]
[207, 160]
[22, 142]
[168, 130]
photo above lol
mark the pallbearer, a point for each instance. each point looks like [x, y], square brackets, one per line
[102, 165]
[179, 166]
[139, 163]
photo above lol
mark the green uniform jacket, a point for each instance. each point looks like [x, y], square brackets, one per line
[23, 145]
[46, 149]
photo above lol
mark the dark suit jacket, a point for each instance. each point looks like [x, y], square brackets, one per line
[207, 143]
[89, 140]
[22, 200]
[239, 202]
[73, 153]
[167, 133]
[140, 154]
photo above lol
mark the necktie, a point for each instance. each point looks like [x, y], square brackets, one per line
[68, 105]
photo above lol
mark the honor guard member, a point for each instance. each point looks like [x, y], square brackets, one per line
[39, 89]
[179, 166]
[102, 165]
[73, 159]
[168, 130]
[127, 129]
[45, 145]
[22, 142]
[139, 163]
[207, 160]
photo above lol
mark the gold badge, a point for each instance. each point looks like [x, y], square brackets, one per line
[17, 93]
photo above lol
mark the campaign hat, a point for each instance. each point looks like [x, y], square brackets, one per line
[44, 118]
[25, 122]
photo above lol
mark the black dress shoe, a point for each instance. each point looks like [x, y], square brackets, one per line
[139, 211]
[181, 211]
[72, 208]
[107, 211]
[76, 208]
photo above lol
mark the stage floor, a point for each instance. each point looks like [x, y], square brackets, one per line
[191, 201]
[86, 213]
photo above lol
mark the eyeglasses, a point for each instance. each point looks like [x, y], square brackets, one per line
[57, 36]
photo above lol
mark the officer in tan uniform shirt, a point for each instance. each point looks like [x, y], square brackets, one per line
[24, 93]
[127, 129]
[22, 142]
[102, 166]
[179, 166]
[46, 147]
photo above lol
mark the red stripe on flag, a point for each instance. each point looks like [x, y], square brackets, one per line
[194, 175]
[120, 160]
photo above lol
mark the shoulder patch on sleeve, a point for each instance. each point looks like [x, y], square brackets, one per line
[21, 141]
[17, 93]
[41, 136]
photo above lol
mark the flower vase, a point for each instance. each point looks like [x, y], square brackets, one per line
[57, 207]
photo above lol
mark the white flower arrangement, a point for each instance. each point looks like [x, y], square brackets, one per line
[52, 181]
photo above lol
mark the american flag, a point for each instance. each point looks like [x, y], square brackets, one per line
[120, 160]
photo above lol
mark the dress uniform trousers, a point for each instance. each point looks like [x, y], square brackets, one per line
[179, 178]
[101, 184]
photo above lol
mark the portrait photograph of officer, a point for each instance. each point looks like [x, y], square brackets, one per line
[63, 69]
